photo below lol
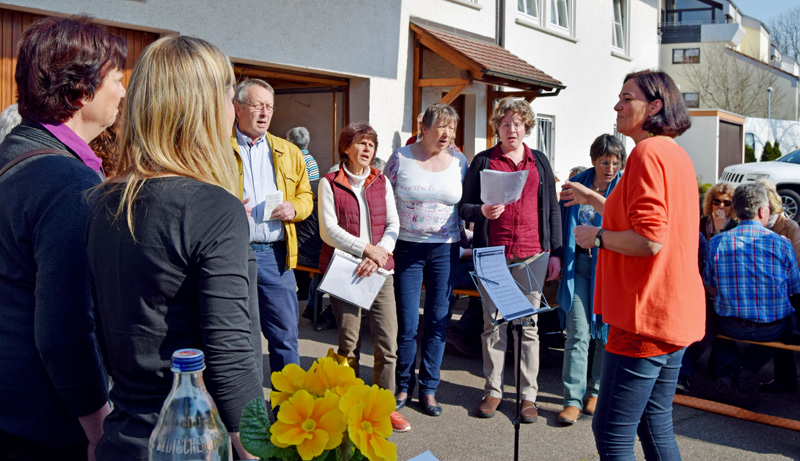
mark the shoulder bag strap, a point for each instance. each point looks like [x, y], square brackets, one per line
[34, 153]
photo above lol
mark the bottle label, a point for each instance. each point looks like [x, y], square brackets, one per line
[190, 445]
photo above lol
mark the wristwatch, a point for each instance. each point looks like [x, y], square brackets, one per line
[598, 239]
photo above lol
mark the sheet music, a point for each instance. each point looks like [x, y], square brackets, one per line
[341, 281]
[271, 201]
[499, 286]
[502, 188]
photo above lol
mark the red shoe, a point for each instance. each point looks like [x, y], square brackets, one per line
[399, 423]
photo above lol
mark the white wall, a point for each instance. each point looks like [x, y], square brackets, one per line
[701, 142]
[786, 132]
[592, 75]
[369, 42]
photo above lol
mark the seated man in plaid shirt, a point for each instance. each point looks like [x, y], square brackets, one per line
[752, 272]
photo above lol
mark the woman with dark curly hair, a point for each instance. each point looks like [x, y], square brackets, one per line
[54, 386]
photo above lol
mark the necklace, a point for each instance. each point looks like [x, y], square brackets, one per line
[597, 189]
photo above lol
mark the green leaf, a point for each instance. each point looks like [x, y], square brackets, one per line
[357, 455]
[254, 433]
[254, 429]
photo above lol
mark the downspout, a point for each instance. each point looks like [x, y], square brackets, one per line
[500, 23]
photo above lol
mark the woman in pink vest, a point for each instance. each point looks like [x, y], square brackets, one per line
[357, 215]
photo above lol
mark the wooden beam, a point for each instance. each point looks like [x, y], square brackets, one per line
[288, 77]
[439, 82]
[333, 130]
[416, 91]
[452, 94]
[444, 50]
[491, 95]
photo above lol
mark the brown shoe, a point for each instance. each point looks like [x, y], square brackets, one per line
[589, 406]
[488, 407]
[569, 415]
[529, 413]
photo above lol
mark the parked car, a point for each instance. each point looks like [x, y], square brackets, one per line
[784, 172]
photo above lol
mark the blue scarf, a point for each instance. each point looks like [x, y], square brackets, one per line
[566, 289]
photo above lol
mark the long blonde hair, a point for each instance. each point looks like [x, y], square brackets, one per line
[174, 118]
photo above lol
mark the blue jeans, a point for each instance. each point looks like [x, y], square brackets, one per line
[435, 265]
[278, 306]
[579, 335]
[636, 398]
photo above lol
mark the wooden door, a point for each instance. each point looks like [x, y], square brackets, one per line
[14, 23]
[458, 105]
[730, 145]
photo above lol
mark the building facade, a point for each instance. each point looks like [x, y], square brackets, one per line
[722, 59]
[333, 62]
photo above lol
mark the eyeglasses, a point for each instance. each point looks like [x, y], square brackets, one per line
[259, 107]
[719, 202]
[517, 125]
[606, 164]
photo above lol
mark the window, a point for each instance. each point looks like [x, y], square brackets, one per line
[545, 131]
[685, 55]
[529, 7]
[620, 32]
[561, 13]
[692, 100]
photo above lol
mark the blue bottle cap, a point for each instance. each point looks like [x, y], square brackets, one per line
[187, 360]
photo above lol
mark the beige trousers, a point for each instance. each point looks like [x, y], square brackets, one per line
[382, 318]
[495, 338]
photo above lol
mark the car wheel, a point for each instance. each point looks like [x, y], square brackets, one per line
[790, 200]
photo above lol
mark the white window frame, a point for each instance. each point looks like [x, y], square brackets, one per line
[546, 136]
[620, 26]
[555, 15]
[525, 7]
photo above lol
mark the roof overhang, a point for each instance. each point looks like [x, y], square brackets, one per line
[483, 62]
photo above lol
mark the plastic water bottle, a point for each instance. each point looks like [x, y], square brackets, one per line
[189, 427]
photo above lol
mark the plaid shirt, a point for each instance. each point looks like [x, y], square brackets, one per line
[754, 271]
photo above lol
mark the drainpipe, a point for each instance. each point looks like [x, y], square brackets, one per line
[500, 23]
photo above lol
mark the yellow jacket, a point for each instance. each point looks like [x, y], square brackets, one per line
[292, 178]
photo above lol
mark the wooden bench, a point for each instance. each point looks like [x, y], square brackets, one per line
[775, 344]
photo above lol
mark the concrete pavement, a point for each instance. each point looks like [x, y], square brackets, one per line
[457, 435]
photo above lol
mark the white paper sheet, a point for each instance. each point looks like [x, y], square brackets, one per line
[340, 280]
[271, 201]
[501, 188]
[496, 283]
[427, 456]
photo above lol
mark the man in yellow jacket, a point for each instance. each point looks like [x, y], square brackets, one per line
[273, 181]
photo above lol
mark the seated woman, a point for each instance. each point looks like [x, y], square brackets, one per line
[717, 210]
[358, 216]
[179, 275]
[576, 290]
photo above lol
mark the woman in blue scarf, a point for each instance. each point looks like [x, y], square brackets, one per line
[576, 291]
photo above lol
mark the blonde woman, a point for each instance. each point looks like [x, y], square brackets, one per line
[785, 379]
[168, 245]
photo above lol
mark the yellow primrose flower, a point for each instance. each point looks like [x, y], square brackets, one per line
[286, 382]
[327, 374]
[368, 411]
[313, 425]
